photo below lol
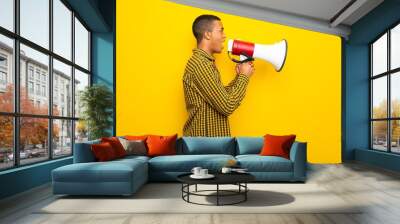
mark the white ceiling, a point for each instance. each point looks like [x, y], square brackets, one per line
[327, 16]
[319, 9]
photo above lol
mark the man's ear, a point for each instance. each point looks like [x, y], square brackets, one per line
[207, 35]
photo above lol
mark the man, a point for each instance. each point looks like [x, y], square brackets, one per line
[208, 101]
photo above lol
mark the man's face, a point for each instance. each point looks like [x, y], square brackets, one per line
[217, 37]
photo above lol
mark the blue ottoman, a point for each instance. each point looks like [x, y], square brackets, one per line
[118, 177]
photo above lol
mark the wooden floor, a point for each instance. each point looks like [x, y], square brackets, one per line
[377, 188]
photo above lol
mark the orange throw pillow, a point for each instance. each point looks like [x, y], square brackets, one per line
[116, 145]
[103, 152]
[277, 145]
[161, 145]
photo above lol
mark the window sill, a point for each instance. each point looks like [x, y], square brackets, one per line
[382, 159]
[25, 167]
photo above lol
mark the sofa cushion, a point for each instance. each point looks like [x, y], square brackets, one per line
[257, 163]
[249, 145]
[185, 163]
[277, 145]
[161, 145]
[103, 151]
[116, 145]
[134, 147]
[133, 158]
[208, 145]
[111, 171]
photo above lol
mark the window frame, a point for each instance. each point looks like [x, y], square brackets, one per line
[16, 114]
[388, 74]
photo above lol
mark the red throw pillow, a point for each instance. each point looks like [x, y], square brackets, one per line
[103, 151]
[161, 145]
[116, 145]
[277, 145]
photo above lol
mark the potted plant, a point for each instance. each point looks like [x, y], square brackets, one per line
[96, 102]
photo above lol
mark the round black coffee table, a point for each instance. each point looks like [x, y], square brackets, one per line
[238, 179]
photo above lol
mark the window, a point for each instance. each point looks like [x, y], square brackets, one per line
[34, 21]
[81, 45]
[395, 47]
[55, 89]
[81, 81]
[7, 14]
[62, 74]
[30, 87]
[30, 72]
[62, 29]
[3, 72]
[6, 73]
[62, 137]
[3, 78]
[385, 92]
[33, 147]
[37, 75]
[6, 142]
[44, 91]
[47, 74]
[3, 61]
[37, 89]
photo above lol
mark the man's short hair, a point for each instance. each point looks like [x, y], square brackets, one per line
[202, 24]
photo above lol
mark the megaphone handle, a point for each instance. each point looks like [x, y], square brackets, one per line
[242, 57]
[246, 59]
[241, 61]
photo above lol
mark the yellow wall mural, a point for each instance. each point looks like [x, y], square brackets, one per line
[154, 42]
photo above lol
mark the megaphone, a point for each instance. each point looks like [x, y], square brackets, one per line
[247, 51]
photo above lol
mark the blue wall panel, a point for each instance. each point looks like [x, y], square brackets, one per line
[357, 85]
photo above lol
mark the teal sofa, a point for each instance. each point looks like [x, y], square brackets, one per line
[125, 176]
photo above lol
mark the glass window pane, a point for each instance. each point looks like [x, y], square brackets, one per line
[6, 74]
[62, 138]
[33, 140]
[62, 29]
[379, 135]
[395, 136]
[6, 142]
[35, 21]
[81, 131]
[7, 14]
[34, 78]
[379, 97]
[379, 55]
[395, 94]
[81, 81]
[62, 89]
[81, 45]
[395, 47]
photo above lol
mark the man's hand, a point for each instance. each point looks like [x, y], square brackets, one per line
[245, 68]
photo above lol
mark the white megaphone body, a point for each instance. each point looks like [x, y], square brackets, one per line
[247, 51]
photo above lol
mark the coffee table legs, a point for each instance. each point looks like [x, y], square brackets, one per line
[242, 190]
[217, 194]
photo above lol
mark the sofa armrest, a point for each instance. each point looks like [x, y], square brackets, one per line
[83, 152]
[298, 155]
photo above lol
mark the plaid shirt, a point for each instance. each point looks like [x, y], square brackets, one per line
[208, 101]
